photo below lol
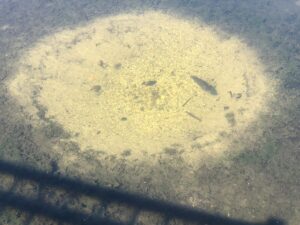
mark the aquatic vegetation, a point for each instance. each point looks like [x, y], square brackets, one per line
[54, 130]
[260, 157]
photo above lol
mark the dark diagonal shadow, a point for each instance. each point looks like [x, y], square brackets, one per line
[139, 203]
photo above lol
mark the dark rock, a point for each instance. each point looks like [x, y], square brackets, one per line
[118, 66]
[126, 152]
[230, 118]
[102, 64]
[149, 83]
[171, 151]
[96, 88]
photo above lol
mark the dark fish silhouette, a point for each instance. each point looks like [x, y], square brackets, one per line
[204, 85]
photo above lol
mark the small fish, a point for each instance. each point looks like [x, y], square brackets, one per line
[204, 85]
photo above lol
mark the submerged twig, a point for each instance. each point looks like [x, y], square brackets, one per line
[187, 101]
[193, 116]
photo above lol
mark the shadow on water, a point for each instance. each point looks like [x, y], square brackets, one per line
[38, 206]
[268, 26]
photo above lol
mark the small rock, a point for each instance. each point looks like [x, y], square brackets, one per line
[126, 152]
[118, 66]
[102, 64]
[96, 88]
[235, 95]
[149, 83]
[171, 151]
[230, 118]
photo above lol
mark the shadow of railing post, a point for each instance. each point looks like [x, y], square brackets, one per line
[36, 206]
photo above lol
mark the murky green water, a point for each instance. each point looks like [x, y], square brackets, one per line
[182, 126]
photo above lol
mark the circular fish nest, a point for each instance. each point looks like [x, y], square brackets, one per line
[144, 83]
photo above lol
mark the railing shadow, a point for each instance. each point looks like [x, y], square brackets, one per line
[36, 206]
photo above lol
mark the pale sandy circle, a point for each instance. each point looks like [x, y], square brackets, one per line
[149, 83]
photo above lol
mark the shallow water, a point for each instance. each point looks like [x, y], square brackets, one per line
[193, 102]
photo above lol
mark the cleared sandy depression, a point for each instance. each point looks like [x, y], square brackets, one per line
[144, 83]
